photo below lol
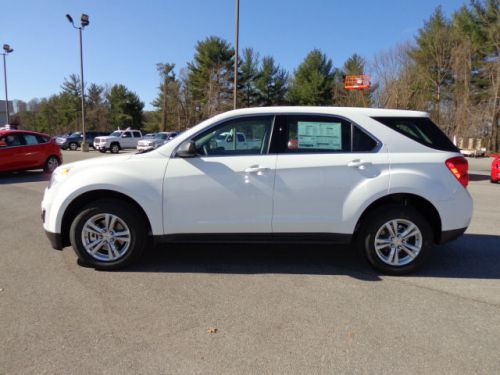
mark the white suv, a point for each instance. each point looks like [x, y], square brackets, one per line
[388, 181]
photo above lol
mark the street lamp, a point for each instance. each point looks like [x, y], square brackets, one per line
[84, 21]
[237, 32]
[7, 49]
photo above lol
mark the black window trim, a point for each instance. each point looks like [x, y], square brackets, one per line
[277, 116]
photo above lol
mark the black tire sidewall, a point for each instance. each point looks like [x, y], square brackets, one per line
[117, 148]
[73, 146]
[379, 217]
[46, 166]
[126, 212]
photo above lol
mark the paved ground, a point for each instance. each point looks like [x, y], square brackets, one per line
[277, 309]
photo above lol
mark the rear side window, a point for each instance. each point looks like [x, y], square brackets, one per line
[30, 139]
[137, 135]
[320, 134]
[313, 134]
[421, 130]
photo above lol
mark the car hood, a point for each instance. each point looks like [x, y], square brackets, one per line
[99, 161]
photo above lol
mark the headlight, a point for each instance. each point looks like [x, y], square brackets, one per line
[59, 174]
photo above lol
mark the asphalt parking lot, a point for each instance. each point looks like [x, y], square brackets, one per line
[276, 309]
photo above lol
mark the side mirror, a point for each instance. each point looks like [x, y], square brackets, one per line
[3, 144]
[187, 150]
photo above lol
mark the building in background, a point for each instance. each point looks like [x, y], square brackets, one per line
[3, 114]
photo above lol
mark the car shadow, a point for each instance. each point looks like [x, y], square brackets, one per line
[478, 177]
[23, 177]
[471, 256]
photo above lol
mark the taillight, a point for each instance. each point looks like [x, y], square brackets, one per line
[460, 169]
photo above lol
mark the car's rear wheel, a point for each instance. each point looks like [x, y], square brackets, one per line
[73, 146]
[395, 239]
[51, 164]
[115, 148]
[108, 234]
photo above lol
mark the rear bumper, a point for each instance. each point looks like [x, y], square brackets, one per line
[55, 240]
[450, 235]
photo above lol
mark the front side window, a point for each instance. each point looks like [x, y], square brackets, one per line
[243, 136]
[127, 135]
[12, 140]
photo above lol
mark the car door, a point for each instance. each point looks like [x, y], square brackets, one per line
[137, 138]
[12, 152]
[126, 140]
[8, 153]
[33, 151]
[225, 189]
[322, 160]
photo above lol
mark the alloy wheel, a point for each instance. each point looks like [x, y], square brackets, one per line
[398, 242]
[106, 237]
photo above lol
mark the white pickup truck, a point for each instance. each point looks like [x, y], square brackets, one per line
[118, 140]
[226, 141]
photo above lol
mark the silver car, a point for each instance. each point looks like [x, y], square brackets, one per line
[154, 140]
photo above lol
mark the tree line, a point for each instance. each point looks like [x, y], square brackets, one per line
[451, 70]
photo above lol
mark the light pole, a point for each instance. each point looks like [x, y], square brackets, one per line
[84, 21]
[235, 88]
[7, 49]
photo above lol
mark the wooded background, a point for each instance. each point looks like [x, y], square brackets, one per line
[451, 70]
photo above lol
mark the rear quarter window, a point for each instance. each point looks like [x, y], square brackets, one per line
[421, 130]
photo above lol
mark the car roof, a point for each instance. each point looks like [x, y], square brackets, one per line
[341, 111]
[6, 132]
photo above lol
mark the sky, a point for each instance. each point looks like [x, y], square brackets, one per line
[126, 39]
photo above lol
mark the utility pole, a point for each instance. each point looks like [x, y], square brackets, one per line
[235, 88]
[84, 21]
[7, 49]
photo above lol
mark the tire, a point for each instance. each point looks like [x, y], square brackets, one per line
[114, 148]
[126, 218]
[393, 256]
[51, 164]
[103, 150]
[73, 146]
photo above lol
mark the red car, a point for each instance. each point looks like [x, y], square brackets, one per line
[22, 150]
[495, 168]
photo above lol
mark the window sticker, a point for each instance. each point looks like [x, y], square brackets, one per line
[319, 135]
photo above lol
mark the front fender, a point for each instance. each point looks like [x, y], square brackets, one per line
[130, 181]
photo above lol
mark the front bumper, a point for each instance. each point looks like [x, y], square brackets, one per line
[55, 240]
[144, 148]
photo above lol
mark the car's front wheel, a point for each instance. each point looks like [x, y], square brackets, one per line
[395, 239]
[108, 234]
[73, 146]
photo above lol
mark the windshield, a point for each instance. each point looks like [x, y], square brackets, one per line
[75, 134]
[116, 133]
[161, 136]
[150, 136]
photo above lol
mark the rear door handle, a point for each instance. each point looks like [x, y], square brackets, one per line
[358, 163]
[255, 169]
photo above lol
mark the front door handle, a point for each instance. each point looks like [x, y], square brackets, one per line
[255, 169]
[358, 163]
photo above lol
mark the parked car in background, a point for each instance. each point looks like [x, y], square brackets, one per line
[155, 140]
[118, 140]
[74, 141]
[495, 168]
[388, 181]
[23, 150]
